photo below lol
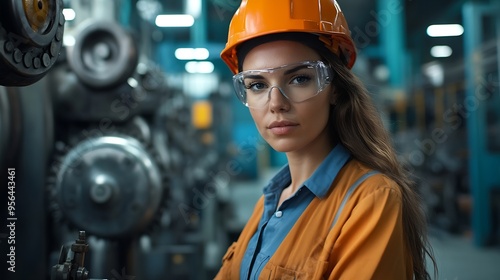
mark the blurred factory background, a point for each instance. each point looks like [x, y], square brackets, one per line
[119, 119]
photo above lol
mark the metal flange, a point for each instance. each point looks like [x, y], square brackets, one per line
[104, 55]
[31, 36]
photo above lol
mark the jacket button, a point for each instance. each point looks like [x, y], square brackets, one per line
[279, 214]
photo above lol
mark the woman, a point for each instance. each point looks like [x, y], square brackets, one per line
[343, 207]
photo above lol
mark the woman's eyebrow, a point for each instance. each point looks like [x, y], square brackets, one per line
[297, 68]
[253, 76]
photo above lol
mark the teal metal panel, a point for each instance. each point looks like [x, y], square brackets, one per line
[484, 164]
[390, 25]
[200, 27]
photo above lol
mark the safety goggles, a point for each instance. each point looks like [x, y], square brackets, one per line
[298, 82]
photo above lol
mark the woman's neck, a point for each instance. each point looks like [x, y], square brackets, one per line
[303, 164]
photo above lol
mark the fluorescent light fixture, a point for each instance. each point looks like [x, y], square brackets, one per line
[174, 20]
[445, 30]
[191, 53]
[204, 67]
[69, 14]
[193, 7]
[441, 51]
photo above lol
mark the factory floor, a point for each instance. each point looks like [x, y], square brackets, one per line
[457, 257]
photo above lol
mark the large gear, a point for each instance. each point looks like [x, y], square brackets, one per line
[31, 37]
[110, 186]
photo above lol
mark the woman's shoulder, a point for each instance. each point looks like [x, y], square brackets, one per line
[363, 180]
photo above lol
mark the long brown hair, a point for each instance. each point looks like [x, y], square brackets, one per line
[357, 124]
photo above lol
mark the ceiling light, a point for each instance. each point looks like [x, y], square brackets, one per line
[193, 7]
[191, 53]
[69, 14]
[445, 30]
[441, 51]
[174, 20]
[203, 67]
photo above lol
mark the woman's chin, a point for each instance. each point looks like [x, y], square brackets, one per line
[282, 147]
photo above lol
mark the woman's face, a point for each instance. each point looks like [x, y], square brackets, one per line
[288, 126]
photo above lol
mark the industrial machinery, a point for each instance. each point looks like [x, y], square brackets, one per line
[127, 166]
[105, 147]
[71, 261]
[31, 35]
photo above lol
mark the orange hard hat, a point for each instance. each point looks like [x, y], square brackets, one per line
[255, 18]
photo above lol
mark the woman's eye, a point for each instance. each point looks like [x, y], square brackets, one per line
[300, 80]
[255, 86]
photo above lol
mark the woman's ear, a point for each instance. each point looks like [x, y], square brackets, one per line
[333, 97]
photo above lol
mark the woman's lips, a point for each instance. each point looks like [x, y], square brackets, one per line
[282, 127]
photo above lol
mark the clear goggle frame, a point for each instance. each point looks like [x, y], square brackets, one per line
[298, 82]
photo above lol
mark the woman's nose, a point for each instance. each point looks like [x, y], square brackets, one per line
[277, 100]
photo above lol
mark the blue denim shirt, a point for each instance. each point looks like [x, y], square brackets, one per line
[276, 223]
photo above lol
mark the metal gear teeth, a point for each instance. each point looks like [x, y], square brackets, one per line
[61, 151]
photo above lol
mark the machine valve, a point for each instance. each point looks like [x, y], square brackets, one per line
[71, 263]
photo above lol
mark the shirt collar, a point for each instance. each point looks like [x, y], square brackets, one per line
[320, 181]
[322, 178]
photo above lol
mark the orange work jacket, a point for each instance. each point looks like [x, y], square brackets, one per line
[355, 232]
